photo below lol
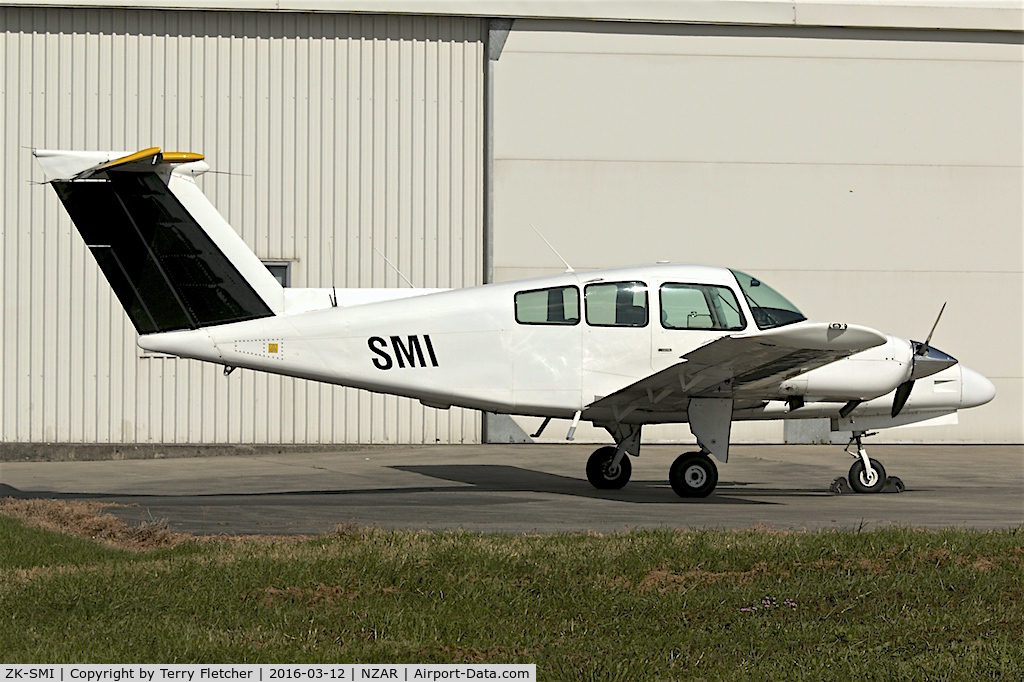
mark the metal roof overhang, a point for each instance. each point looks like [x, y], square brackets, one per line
[979, 15]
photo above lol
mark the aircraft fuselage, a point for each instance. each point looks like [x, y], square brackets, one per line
[465, 347]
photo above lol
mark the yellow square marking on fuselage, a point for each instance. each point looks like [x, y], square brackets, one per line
[271, 347]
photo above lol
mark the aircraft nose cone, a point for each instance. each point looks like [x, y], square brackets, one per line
[975, 389]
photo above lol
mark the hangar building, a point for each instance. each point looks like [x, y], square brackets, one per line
[865, 158]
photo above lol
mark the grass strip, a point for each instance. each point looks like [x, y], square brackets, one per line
[648, 605]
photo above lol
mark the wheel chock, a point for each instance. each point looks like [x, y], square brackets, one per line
[841, 486]
[893, 485]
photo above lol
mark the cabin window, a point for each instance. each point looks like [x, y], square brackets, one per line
[769, 308]
[557, 305]
[616, 304]
[700, 306]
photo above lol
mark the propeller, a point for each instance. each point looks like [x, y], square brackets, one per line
[925, 362]
[902, 395]
[922, 349]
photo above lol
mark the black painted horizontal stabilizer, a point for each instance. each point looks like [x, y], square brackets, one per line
[164, 268]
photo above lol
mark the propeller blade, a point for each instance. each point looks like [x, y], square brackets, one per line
[927, 342]
[902, 395]
[926, 360]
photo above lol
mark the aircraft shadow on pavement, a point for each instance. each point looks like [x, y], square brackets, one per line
[495, 478]
[483, 478]
[510, 479]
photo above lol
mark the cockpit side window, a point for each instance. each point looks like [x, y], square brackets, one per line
[769, 308]
[616, 304]
[700, 306]
[557, 305]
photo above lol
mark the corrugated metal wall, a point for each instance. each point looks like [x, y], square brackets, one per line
[328, 135]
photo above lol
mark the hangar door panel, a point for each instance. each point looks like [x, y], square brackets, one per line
[795, 155]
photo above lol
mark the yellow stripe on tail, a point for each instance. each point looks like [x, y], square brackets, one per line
[148, 158]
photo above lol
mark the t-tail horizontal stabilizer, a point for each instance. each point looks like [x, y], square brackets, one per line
[170, 257]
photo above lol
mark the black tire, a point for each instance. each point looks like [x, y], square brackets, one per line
[599, 471]
[859, 482]
[693, 475]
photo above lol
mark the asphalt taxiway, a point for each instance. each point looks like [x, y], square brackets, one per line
[533, 488]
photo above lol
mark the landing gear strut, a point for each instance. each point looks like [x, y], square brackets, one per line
[604, 473]
[609, 468]
[693, 474]
[866, 475]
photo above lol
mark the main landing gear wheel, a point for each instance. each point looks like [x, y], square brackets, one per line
[602, 475]
[861, 482]
[693, 475]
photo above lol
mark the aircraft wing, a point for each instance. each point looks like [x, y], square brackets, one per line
[745, 368]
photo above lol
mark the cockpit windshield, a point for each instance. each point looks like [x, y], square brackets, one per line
[769, 307]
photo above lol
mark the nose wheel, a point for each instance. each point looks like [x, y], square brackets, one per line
[864, 480]
[866, 475]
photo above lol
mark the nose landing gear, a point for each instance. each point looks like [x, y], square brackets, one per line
[866, 475]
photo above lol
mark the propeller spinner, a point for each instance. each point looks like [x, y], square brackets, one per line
[925, 362]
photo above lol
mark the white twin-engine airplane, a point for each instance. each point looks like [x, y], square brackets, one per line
[619, 348]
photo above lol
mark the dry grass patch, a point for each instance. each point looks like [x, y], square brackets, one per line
[89, 520]
[663, 581]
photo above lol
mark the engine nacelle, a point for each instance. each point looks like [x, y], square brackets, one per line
[863, 376]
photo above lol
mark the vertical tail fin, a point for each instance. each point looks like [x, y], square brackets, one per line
[170, 257]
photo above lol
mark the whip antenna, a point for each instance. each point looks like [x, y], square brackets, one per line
[394, 267]
[334, 291]
[568, 268]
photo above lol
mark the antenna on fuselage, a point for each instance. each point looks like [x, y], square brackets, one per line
[394, 267]
[334, 292]
[568, 268]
